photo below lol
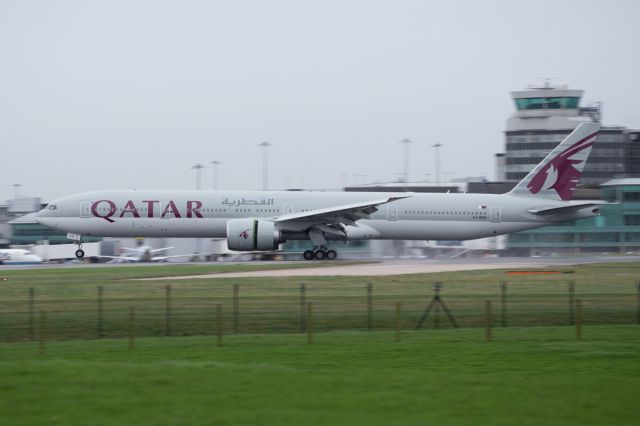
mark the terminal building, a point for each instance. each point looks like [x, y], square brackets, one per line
[15, 211]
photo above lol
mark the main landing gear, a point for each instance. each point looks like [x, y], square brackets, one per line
[319, 253]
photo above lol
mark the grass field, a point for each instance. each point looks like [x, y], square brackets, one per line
[268, 374]
[69, 297]
[528, 376]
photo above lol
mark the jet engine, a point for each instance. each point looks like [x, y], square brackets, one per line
[252, 234]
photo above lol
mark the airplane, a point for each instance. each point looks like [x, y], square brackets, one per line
[261, 220]
[143, 254]
[18, 257]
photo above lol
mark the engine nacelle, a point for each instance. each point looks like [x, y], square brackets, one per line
[252, 234]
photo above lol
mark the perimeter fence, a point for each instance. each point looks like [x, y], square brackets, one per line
[236, 309]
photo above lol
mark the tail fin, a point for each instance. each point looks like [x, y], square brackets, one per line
[558, 174]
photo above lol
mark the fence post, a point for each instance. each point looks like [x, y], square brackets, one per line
[303, 301]
[398, 311]
[572, 303]
[638, 302]
[487, 320]
[436, 306]
[369, 306]
[131, 327]
[32, 296]
[236, 308]
[42, 335]
[219, 325]
[309, 322]
[503, 287]
[578, 319]
[100, 313]
[167, 310]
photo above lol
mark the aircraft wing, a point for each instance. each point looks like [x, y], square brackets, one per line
[160, 249]
[161, 258]
[138, 259]
[127, 258]
[331, 220]
[145, 250]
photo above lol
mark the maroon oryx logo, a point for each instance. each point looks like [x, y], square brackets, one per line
[245, 234]
[563, 171]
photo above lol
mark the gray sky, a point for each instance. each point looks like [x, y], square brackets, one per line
[131, 94]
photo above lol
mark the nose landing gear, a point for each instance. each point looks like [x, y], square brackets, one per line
[319, 253]
[79, 252]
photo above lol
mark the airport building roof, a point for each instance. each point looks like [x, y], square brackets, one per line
[24, 219]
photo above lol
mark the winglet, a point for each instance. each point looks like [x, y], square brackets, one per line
[558, 174]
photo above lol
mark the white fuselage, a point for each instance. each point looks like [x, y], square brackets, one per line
[157, 213]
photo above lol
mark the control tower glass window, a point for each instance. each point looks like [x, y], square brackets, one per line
[547, 103]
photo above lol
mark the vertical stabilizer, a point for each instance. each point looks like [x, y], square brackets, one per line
[558, 174]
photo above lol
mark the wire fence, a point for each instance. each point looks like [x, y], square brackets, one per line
[231, 311]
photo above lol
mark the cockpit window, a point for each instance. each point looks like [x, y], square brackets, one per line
[52, 207]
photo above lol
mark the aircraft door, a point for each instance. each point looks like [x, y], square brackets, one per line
[85, 209]
[287, 208]
[392, 212]
[495, 214]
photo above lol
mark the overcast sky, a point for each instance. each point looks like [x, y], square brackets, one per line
[131, 94]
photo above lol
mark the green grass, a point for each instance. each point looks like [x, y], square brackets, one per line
[272, 305]
[528, 376]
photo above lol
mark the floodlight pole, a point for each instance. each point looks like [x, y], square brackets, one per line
[198, 168]
[437, 161]
[265, 164]
[16, 190]
[214, 165]
[405, 170]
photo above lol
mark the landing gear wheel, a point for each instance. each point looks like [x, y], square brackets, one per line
[308, 255]
[331, 254]
[319, 255]
[79, 253]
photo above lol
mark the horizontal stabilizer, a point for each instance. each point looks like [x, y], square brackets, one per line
[566, 209]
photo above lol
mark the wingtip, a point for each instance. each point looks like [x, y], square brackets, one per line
[399, 197]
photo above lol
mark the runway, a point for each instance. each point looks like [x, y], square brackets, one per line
[415, 266]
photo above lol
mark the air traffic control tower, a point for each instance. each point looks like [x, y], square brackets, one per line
[544, 116]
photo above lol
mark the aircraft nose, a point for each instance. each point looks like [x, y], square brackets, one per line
[43, 219]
